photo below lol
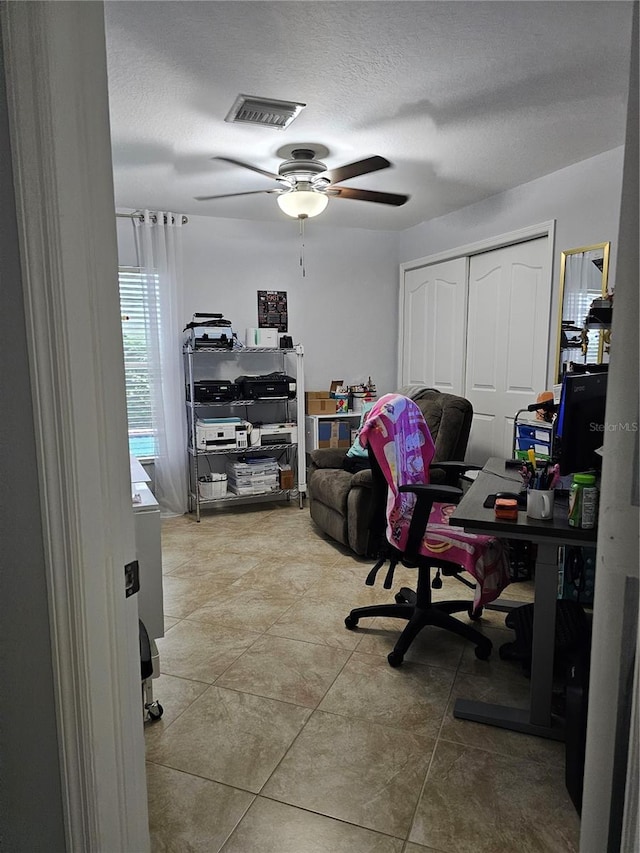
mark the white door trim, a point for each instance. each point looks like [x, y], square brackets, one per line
[542, 229]
[59, 124]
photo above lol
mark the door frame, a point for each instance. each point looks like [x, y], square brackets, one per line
[521, 235]
[62, 171]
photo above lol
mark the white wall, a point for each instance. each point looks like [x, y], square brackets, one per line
[344, 311]
[584, 199]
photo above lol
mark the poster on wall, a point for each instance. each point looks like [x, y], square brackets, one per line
[272, 310]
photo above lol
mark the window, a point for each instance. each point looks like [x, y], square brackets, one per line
[139, 305]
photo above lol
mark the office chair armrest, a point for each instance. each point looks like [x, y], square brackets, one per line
[426, 495]
[431, 493]
[453, 471]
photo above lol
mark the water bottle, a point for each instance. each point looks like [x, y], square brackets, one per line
[583, 501]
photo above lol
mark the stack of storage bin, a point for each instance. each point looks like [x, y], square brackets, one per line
[535, 435]
[253, 476]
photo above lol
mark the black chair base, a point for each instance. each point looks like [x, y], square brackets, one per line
[419, 611]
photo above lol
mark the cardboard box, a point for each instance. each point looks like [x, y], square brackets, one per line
[321, 407]
[334, 434]
[286, 477]
[316, 395]
[325, 402]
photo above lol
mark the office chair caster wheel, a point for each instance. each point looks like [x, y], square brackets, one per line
[405, 596]
[351, 622]
[395, 658]
[475, 615]
[155, 711]
[483, 652]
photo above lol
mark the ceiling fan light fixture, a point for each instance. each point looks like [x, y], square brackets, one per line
[302, 203]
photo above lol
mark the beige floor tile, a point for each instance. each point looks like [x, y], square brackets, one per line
[513, 692]
[288, 670]
[296, 545]
[346, 587]
[201, 652]
[175, 695]
[181, 596]
[314, 620]
[172, 558]
[494, 667]
[191, 815]
[271, 827]
[520, 591]
[476, 801]
[221, 566]
[353, 770]
[432, 646]
[350, 778]
[288, 574]
[169, 622]
[255, 610]
[412, 697]
[230, 737]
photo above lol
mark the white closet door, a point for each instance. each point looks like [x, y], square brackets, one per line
[507, 341]
[434, 325]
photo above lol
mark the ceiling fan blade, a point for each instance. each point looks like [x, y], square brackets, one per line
[352, 170]
[249, 166]
[231, 195]
[368, 195]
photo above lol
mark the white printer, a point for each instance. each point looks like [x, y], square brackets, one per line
[265, 435]
[222, 434]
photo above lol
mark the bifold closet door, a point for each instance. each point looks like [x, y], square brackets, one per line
[507, 349]
[434, 309]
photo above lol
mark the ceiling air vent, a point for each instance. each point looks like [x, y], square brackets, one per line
[266, 112]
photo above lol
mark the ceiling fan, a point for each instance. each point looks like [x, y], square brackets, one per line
[305, 184]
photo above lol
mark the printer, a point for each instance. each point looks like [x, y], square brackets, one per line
[272, 386]
[209, 331]
[213, 391]
[222, 434]
[265, 435]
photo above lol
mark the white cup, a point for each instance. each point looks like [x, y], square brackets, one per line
[540, 504]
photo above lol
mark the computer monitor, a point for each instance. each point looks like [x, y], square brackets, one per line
[580, 423]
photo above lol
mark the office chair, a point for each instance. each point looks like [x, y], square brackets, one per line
[414, 517]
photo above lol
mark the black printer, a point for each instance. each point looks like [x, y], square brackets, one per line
[213, 391]
[272, 386]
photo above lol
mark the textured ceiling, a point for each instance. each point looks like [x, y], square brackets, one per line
[466, 99]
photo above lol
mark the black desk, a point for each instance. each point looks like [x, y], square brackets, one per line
[548, 535]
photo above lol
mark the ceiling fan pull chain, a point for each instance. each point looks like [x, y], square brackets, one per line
[301, 221]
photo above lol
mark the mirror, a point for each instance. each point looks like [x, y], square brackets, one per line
[583, 333]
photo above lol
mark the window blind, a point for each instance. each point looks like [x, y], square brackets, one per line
[139, 306]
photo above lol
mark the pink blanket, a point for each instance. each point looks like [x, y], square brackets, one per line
[396, 431]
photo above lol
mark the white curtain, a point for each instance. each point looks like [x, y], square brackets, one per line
[158, 240]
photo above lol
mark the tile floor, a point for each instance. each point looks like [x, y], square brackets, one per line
[283, 732]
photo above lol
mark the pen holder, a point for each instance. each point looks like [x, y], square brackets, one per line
[540, 504]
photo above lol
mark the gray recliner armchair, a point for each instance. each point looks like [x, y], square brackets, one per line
[340, 502]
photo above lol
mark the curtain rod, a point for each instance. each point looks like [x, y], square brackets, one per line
[152, 215]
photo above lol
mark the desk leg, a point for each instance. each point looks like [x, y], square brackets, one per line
[544, 628]
[537, 720]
